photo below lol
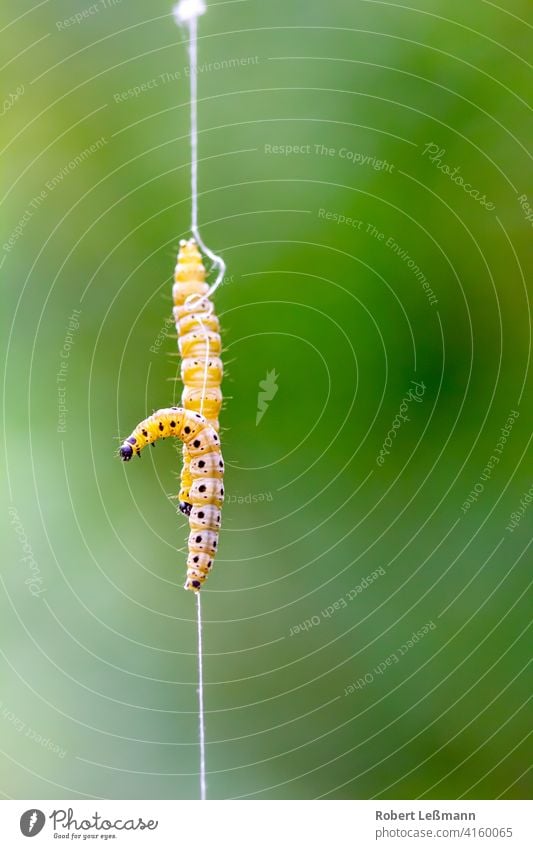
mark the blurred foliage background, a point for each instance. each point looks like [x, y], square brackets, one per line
[310, 114]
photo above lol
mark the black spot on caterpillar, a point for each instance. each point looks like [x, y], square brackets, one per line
[206, 492]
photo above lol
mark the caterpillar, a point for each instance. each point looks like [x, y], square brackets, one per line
[199, 345]
[206, 489]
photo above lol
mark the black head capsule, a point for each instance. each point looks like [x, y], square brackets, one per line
[125, 452]
[185, 508]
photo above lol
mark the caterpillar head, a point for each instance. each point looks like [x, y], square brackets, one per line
[125, 451]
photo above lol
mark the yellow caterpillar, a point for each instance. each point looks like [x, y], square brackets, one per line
[199, 344]
[206, 489]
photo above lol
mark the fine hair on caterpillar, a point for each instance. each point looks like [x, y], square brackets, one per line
[206, 487]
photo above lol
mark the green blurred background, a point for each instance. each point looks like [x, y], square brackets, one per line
[98, 639]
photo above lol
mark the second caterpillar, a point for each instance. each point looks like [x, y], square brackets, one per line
[206, 469]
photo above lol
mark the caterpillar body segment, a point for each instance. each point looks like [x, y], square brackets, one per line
[206, 489]
[199, 344]
[204, 516]
[186, 316]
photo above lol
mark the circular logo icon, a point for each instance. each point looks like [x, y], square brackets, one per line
[32, 822]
